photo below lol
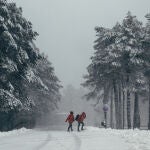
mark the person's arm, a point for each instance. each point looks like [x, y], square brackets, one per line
[67, 118]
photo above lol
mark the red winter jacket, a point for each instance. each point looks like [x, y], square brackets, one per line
[70, 118]
[82, 117]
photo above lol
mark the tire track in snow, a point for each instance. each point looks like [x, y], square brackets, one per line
[43, 144]
[77, 142]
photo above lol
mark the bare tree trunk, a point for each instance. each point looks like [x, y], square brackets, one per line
[136, 119]
[123, 109]
[106, 99]
[149, 106]
[111, 110]
[116, 103]
[106, 95]
[128, 105]
[120, 107]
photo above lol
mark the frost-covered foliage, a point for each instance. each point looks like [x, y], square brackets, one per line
[16, 54]
[47, 95]
[19, 59]
[118, 66]
[8, 101]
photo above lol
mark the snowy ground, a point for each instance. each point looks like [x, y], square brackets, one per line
[90, 139]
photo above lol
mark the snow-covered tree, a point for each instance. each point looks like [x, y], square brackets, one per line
[103, 72]
[47, 95]
[146, 57]
[20, 69]
[116, 65]
[16, 52]
[129, 43]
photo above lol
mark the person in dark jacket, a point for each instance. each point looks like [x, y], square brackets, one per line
[103, 124]
[80, 120]
[70, 120]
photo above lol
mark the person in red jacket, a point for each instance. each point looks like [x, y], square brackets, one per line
[80, 120]
[70, 120]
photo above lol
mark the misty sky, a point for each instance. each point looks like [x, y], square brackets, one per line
[66, 29]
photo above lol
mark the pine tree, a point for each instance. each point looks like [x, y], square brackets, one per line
[17, 56]
[47, 95]
[129, 45]
[117, 63]
[146, 56]
[103, 72]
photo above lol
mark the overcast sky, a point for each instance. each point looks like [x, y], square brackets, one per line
[66, 29]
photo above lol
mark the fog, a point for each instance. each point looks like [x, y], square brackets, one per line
[72, 100]
[66, 29]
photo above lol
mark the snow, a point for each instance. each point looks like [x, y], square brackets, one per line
[9, 37]
[4, 9]
[13, 133]
[1, 19]
[11, 87]
[19, 27]
[91, 138]
[9, 65]
[10, 23]
[31, 77]
[42, 84]
[23, 54]
[117, 64]
[8, 100]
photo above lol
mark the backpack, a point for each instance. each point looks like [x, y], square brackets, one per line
[77, 117]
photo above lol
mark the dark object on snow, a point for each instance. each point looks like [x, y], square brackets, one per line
[77, 117]
[103, 124]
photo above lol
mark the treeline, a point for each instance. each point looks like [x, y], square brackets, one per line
[119, 73]
[29, 87]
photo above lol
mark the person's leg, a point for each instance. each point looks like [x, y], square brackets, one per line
[78, 126]
[69, 127]
[82, 125]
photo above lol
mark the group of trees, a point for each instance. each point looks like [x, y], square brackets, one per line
[119, 73]
[29, 87]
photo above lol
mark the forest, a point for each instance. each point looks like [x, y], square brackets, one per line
[29, 87]
[119, 72]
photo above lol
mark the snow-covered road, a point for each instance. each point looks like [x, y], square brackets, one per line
[90, 139]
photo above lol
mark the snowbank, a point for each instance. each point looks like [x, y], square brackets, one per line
[14, 132]
[137, 139]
